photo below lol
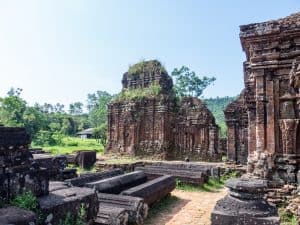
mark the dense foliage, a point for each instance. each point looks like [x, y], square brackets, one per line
[217, 106]
[49, 124]
[25, 200]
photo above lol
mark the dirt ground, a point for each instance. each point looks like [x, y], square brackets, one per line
[190, 208]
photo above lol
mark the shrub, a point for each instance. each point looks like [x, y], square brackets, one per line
[25, 200]
[48, 138]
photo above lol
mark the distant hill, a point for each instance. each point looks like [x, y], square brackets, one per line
[217, 106]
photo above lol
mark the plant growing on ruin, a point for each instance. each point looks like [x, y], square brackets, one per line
[187, 83]
[78, 219]
[286, 217]
[151, 67]
[25, 200]
[138, 94]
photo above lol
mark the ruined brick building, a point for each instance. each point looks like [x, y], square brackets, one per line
[18, 172]
[147, 120]
[272, 84]
[236, 117]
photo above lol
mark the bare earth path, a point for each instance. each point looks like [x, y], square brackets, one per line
[191, 208]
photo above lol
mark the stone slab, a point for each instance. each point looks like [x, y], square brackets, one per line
[16, 216]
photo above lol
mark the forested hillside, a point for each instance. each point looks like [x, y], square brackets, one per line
[217, 106]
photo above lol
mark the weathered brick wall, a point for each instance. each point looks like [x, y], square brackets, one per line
[145, 74]
[272, 96]
[195, 133]
[18, 172]
[158, 126]
[236, 118]
[140, 127]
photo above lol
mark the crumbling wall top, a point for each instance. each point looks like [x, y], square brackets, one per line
[13, 136]
[196, 110]
[236, 110]
[289, 23]
[147, 73]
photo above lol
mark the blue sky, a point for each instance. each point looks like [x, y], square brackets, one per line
[61, 50]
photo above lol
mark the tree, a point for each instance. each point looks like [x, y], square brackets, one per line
[187, 83]
[76, 108]
[100, 133]
[68, 125]
[34, 120]
[12, 108]
[97, 106]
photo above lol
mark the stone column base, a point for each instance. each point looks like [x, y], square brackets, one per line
[244, 205]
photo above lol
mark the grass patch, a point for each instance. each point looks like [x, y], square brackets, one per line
[138, 94]
[143, 67]
[82, 170]
[163, 206]
[72, 144]
[212, 185]
[25, 200]
[287, 218]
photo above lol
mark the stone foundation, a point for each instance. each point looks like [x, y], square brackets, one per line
[244, 205]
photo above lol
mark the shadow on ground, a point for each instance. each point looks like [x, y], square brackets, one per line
[165, 209]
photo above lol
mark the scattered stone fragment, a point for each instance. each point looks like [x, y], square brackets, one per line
[154, 190]
[135, 207]
[117, 184]
[111, 216]
[91, 177]
[189, 177]
[86, 159]
[62, 201]
[16, 216]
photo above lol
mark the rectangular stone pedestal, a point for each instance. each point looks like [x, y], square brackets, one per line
[55, 206]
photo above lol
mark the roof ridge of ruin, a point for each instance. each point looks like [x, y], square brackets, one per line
[288, 23]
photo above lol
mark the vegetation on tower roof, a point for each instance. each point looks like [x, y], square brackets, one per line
[146, 67]
[138, 94]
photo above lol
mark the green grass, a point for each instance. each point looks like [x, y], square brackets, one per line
[25, 200]
[82, 170]
[212, 185]
[163, 206]
[72, 144]
[287, 218]
[138, 94]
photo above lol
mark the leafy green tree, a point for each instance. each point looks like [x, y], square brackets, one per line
[97, 106]
[100, 133]
[59, 108]
[217, 106]
[68, 126]
[34, 120]
[187, 83]
[76, 108]
[12, 109]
